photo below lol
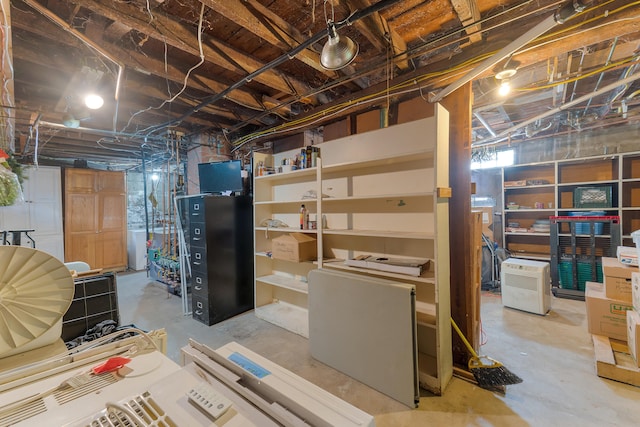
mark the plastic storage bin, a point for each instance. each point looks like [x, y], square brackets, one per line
[584, 227]
[565, 274]
[592, 197]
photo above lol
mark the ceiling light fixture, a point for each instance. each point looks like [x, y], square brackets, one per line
[504, 77]
[93, 101]
[337, 52]
[505, 87]
[70, 121]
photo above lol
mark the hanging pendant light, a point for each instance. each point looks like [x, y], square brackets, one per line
[504, 76]
[338, 52]
[70, 121]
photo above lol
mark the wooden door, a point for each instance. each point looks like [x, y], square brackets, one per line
[95, 218]
[111, 246]
[81, 228]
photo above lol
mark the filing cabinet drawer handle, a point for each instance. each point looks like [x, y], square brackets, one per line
[198, 288]
[199, 312]
[196, 263]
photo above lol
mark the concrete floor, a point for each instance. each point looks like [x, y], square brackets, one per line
[553, 354]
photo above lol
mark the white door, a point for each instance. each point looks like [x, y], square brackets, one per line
[41, 210]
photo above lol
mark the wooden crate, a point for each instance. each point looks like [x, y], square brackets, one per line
[614, 362]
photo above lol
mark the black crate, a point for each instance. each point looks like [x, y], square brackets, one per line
[95, 300]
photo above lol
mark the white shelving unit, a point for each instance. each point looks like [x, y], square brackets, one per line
[281, 286]
[379, 196]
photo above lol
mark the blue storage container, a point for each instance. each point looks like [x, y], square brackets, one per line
[584, 227]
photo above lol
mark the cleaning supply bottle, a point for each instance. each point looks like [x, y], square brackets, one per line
[304, 218]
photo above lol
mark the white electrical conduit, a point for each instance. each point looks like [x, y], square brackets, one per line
[551, 21]
[60, 22]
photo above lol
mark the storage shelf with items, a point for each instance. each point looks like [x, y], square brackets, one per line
[375, 199]
[588, 184]
[630, 197]
[578, 244]
[280, 284]
[529, 200]
[595, 186]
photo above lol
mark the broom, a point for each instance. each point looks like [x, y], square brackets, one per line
[488, 375]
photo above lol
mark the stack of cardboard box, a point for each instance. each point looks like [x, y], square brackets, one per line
[610, 310]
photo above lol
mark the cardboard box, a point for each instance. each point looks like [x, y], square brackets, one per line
[627, 255]
[635, 291]
[294, 247]
[487, 220]
[605, 316]
[617, 279]
[633, 335]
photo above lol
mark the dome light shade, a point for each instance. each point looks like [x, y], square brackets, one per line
[338, 52]
[93, 101]
[69, 121]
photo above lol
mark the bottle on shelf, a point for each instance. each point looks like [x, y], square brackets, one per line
[304, 218]
[303, 159]
[308, 156]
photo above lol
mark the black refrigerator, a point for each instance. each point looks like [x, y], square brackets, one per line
[221, 256]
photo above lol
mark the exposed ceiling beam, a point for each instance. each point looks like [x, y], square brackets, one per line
[382, 35]
[270, 27]
[469, 13]
[174, 34]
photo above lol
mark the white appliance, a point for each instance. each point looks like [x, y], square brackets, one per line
[526, 285]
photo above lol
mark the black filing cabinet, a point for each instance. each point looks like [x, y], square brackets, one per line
[221, 256]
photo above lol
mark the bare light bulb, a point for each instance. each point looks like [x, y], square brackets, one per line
[505, 88]
[93, 101]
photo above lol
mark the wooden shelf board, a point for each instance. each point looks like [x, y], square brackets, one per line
[541, 257]
[428, 373]
[426, 308]
[426, 314]
[284, 282]
[528, 210]
[376, 197]
[520, 187]
[286, 230]
[509, 233]
[571, 184]
[380, 233]
[285, 315]
[285, 202]
[426, 277]
[288, 176]
[405, 157]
